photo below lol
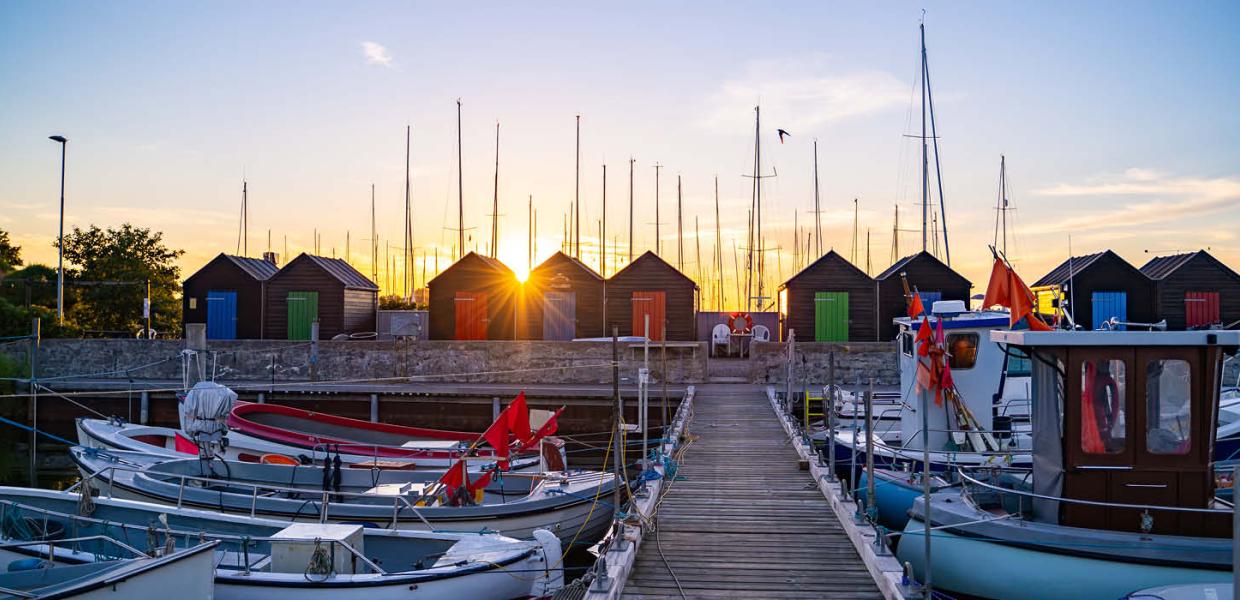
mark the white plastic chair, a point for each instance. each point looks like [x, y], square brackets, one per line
[720, 336]
[761, 333]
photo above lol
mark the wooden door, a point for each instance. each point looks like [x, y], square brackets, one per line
[221, 315]
[559, 315]
[303, 310]
[1099, 428]
[471, 315]
[831, 317]
[1107, 305]
[653, 305]
[1201, 309]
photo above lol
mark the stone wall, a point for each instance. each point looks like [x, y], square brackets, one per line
[358, 361]
[853, 360]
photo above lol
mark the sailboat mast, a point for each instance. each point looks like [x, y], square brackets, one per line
[602, 239]
[934, 135]
[408, 276]
[577, 194]
[697, 239]
[631, 161]
[680, 232]
[460, 188]
[495, 200]
[529, 261]
[817, 207]
[245, 217]
[374, 241]
[758, 214]
[718, 245]
[658, 241]
[925, 170]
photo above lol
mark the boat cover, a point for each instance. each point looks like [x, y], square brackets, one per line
[1048, 398]
[205, 409]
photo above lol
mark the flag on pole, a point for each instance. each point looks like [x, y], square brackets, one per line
[1007, 289]
[547, 429]
[497, 436]
[915, 308]
[519, 418]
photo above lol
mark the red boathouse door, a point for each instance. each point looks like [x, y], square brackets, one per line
[471, 316]
[653, 304]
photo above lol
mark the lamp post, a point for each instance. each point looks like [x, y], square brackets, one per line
[60, 238]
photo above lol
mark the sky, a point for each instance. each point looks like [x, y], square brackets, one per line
[1117, 121]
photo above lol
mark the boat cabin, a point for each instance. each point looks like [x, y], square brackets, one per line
[1125, 417]
[976, 366]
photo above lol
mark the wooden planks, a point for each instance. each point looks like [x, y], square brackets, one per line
[745, 522]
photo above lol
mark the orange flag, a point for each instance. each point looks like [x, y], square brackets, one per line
[497, 436]
[997, 291]
[519, 418]
[915, 307]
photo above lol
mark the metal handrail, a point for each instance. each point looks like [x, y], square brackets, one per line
[183, 479]
[1003, 490]
[53, 543]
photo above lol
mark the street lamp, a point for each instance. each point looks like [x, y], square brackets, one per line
[60, 238]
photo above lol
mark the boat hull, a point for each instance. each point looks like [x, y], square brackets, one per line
[190, 572]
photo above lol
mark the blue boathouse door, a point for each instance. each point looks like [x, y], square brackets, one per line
[221, 315]
[1107, 305]
[559, 315]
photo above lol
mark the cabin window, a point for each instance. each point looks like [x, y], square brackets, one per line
[906, 344]
[1018, 363]
[1168, 405]
[1103, 395]
[962, 348]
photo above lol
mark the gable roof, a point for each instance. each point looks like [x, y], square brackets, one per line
[491, 263]
[1160, 267]
[1076, 265]
[560, 256]
[339, 270]
[901, 264]
[648, 256]
[256, 268]
[830, 255]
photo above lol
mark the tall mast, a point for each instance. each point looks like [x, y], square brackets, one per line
[697, 239]
[631, 161]
[856, 218]
[1001, 206]
[245, 217]
[374, 240]
[529, 261]
[868, 266]
[602, 236]
[577, 194]
[680, 233]
[934, 135]
[460, 188]
[817, 207]
[925, 170]
[796, 245]
[757, 158]
[495, 200]
[407, 253]
[658, 241]
[895, 236]
[718, 245]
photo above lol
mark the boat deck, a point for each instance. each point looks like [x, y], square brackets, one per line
[745, 521]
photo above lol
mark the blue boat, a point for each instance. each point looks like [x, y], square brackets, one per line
[894, 493]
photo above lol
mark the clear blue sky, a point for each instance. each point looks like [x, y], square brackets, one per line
[1118, 121]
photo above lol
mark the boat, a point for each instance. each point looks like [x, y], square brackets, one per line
[1189, 591]
[1121, 492]
[963, 431]
[515, 504]
[265, 559]
[109, 569]
[116, 434]
[894, 493]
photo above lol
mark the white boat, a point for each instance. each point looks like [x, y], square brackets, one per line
[570, 504]
[114, 570]
[264, 559]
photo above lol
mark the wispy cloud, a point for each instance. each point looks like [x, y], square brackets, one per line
[376, 54]
[1138, 197]
[802, 93]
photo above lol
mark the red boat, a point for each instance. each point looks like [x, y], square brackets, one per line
[312, 430]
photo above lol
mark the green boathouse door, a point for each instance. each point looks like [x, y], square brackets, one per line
[831, 317]
[303, 309]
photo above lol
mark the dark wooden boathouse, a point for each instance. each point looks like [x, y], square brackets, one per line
[563, 300]
[831, 300]
[474, 299]
[1194, 290]
[316, 288]
[926, 274]
[1101, 286]
[650, 286]
[229, 294]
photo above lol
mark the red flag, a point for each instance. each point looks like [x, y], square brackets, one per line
[924, 337]
[915, 307]
[519, 418]
[481, 482]
[454, 477]
[497, 436]
[547, 429]
[998, 290]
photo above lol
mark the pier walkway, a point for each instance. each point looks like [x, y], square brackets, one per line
[745, 521]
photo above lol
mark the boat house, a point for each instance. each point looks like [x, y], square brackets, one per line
[932, 279]
[1099, 287]
[316, 288]
[649, 286]
[1194, 290]
[474, 299]
[229, 294]
[831, 300]
[563, 300]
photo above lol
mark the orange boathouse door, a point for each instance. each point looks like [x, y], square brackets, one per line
[653, 304]
[471, 315]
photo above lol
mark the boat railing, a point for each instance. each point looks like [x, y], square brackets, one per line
[326, 499]
[242, 541]
[968, 481]
[915, 453]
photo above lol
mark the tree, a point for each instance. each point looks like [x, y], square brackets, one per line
[113, 269]
[10, 255]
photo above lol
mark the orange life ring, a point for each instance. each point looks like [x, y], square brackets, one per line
[740, 323]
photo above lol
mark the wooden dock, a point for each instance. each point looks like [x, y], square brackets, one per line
[746, 521]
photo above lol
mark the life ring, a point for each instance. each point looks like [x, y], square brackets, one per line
[740, 323]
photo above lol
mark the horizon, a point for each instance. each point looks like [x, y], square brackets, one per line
[1115, 121]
